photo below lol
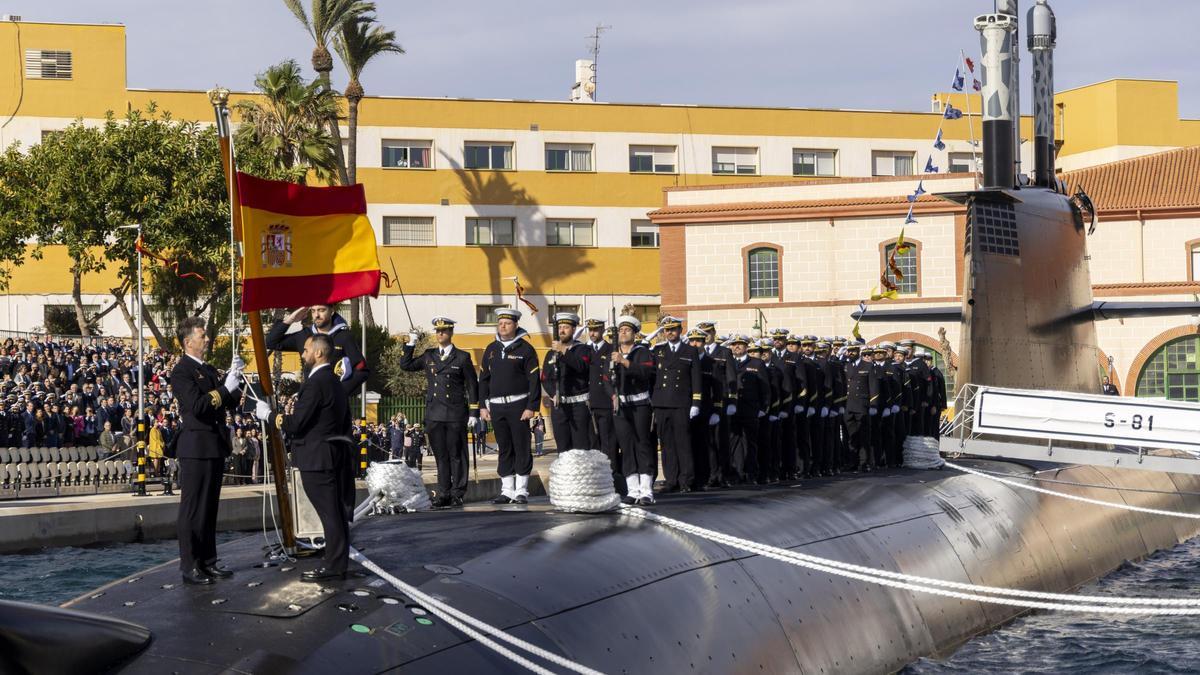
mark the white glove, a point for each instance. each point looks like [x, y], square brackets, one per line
[262, 410]
[887, 412]
[842, 410]
[895, 409]
[772, 418]
[472, 422]
[761, 414]
[731, 410]
[413, 338]
[811, 411]
[714, 420]
[783, 415]
[694, 412]
[872, 412]
[238, 363]
[233, 380]
[798, 409]
[824, 411]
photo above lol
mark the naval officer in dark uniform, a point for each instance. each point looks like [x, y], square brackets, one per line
[600, 397]
[201, 449]
[676, 400]
[565, 378]
[862, 405]
[451, 396]
[322, 413]
[509, 388]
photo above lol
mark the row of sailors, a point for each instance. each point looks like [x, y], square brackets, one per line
[722, 411]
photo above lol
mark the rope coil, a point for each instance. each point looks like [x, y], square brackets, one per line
[922, 452]
[399, 486]
[581, 482]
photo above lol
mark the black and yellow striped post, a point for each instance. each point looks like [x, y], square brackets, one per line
[139, 487]
[362, 448]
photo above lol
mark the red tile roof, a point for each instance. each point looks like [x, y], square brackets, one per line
[1163, 180]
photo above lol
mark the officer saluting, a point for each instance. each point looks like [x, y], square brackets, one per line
[676, 400]
[202, 446]
[633, 379]
[348, 362]
[565, 377]
[451, 389]
[508, 398]
[321, 416]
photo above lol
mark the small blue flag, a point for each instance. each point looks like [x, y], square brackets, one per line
[929, 167]
[958, 80]
[909, 220]
[975, 84]
[920, 191]
[937, 142]
[952, 113]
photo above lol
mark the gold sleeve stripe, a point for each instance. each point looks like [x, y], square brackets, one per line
[215, 395]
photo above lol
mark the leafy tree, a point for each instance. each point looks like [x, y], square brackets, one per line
[378, 342]
[283, 138]
[400, 382]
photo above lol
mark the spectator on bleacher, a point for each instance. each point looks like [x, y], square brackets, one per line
[128, 423]
[240, 466]
[253, 452]
[91, 428]
[108, 440]
[154, 449]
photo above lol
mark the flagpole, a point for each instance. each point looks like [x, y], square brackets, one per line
[220, 101]
[962, 56]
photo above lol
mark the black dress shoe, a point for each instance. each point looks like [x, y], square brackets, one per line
[521, 499]
[441, 502]
[628, 500]
[502, 499]
[195, 577]
[215, 572]
[684, 490]
[456, 501]
[322, 574]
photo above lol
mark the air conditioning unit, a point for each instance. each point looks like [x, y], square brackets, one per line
[10, 17]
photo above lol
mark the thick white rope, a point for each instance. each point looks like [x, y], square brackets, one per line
[875, 577]
[922, 452]
[1086, 500]
[581, 482]
[399, 486]
[474, 628]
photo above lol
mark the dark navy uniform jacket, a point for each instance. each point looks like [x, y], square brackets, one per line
[203, 400]
[450, 383]
[679, 380]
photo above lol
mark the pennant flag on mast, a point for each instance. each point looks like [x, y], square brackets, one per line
[957, 85]
[520, 291]
[938, 143]
[304, 245]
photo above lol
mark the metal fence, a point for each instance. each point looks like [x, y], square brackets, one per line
[413, 408]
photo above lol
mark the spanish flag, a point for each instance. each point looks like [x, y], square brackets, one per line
[304, 245]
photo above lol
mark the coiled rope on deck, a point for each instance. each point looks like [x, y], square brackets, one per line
[581, 481]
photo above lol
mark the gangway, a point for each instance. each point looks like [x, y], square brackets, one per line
[1073, 428]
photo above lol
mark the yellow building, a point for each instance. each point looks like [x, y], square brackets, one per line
[466, 193]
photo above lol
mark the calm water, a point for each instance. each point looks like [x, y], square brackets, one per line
[1040, 643]
[1088, 643]
[56, 575]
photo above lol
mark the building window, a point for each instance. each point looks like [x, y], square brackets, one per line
[408, 231]
[555, 309]
[407, 154]
[570, 233]
[742, 161]
[485, 315]
[643, 234]
[46, 64]
[646, 313]
[962, 162]
[61, 320]
[907, 261]
[762, 272]
[1194, 261]
[494, 156]
[490, 231]
[1173, 372]
[652, 159]
[888, 163]
[568, 157]
[814, 162]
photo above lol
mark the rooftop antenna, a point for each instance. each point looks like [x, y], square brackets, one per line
[595, 50]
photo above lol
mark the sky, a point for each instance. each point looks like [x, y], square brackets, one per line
[863, 54]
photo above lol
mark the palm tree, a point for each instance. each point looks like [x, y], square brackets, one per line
[326, 19]
[284, 137]
[361, 39]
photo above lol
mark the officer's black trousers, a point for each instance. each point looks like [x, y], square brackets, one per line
[719, 469]
[572, 425]
[604, 438]
[787, 445]
[324, 489]
[858, 431]
[512, 439]
[816, 435]
[676, 446]
[698, 431]
[632, 424]
[743, 447]
[448, 440]
[200, 494]
[803, 441]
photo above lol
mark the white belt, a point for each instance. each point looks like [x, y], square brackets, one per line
[508, 399]
[574, 399]
[634, 398]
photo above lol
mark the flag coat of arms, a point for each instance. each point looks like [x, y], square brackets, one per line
[304, 245]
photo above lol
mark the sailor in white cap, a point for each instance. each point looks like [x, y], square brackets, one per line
[509, 396]
[600, 396]
[451, 397]
[633, 380]
[565, 373]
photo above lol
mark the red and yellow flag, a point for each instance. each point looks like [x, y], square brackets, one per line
[304, 245]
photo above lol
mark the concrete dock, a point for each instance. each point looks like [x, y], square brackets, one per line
[106, 518]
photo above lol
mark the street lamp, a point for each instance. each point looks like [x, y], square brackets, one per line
[760, 323]
[140, 485]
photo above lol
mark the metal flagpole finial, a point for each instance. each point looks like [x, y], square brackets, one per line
[219, 97]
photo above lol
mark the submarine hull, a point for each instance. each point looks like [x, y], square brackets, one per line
[620, 594]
